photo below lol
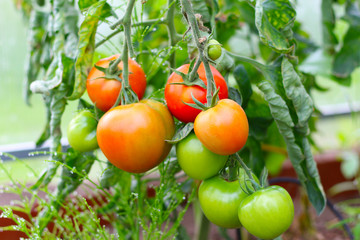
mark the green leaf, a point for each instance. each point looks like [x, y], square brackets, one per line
[36, 32]
[83, 104]
[296, 92]
[234, 94]
[256, 157]
[53, 77]
[76, 167]
[158, 95]
[200, 7]
[312, 184]
[303, 162]
[317, 63]
[243, 81]
[107, 10]
[111, 176]
[348, 58]
[86, 48]
[259, 117]
[181, 133]
[274, 20]
[328, 24]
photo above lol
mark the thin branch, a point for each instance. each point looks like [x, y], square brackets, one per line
[121, 28]
[188, 12]
[171, 30]
[247, 170]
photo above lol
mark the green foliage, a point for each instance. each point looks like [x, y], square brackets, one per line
[162, 35]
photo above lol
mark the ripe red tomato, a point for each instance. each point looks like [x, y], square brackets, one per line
[132, 137]
[176, 95]
[104, 92]
[267, 213]
[224, 128]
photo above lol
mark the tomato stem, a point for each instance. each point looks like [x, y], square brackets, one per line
[247, 171]
[189, 15]
[123, 96]
[194, 70]
[171, 30]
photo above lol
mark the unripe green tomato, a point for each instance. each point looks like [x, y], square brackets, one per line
[214, 49]
[196, 160]
[267, 213]
[220, 199]
[81, 132]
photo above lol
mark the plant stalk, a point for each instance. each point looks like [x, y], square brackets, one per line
[247, 171]
[188, 12]
[171, 30]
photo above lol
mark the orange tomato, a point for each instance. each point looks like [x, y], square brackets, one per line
[104, 92]
[132, 137]
[224, 128]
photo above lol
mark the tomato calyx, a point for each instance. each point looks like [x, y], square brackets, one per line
[110, 74]
[199, 105]
[126, 94]
[192, 77]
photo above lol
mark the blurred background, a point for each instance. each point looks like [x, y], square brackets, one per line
[21, 125]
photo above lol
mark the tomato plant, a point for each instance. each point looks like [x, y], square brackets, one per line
[267, 213]
[220, 199]
[176, 95]
[103, 92]
[224, 128]
[81, 132]
[268, 80]
[128, 133]
[196, 160]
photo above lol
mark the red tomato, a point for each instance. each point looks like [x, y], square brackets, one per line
[176, 95]
[132, 137]
[224, 128]
[104, 92]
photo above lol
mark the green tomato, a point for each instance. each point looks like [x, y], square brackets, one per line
[81, 132]
[214, 49]
[220, 199]
[196, 160]
[267, 213]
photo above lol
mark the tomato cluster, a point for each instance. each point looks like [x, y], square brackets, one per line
[219, 132]
[133, 138]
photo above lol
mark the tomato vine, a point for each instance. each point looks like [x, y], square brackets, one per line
[272, 84]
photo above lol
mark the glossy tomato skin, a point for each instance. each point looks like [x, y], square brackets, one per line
[267, 213]
[196, 160]
[104, 92]
[176, 95]
[224, 128]
[168, 122]
[81, 132]
[220, 199]
[132, 137]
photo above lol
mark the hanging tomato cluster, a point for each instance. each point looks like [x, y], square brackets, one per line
[134, 137]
